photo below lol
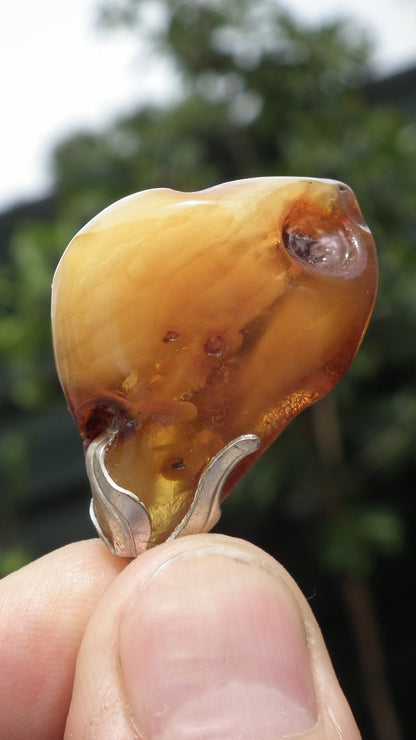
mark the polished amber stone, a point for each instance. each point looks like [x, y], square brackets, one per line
[183, 320]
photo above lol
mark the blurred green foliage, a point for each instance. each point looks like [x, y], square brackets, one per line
[257, 94]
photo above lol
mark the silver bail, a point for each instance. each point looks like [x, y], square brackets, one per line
[123, 521]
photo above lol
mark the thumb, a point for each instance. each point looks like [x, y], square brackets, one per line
[205, 637]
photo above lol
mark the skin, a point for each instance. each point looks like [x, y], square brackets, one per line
[202, 637]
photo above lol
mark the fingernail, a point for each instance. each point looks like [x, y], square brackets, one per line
[215, 647]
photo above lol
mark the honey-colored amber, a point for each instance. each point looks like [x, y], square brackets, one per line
[183, 320]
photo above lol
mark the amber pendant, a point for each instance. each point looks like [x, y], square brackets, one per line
[190, 328]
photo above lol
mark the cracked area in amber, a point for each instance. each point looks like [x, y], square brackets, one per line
[183, 320]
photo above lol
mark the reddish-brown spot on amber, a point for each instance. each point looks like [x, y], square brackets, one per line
[215, 346]
[171, 336]
[271, 281]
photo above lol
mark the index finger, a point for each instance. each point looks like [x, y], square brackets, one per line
[44, 608]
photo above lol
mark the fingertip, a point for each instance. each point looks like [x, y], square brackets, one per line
[206, 637]
[44, 608]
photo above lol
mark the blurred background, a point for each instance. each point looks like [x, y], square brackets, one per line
[102, 99]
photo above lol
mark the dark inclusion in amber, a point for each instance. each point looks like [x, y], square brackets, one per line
[183, 320]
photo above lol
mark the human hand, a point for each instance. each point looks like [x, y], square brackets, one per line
[202, 638]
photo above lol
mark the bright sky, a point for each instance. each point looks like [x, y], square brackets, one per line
[60, 74]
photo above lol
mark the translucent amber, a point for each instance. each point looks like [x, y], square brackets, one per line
[183, 320]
